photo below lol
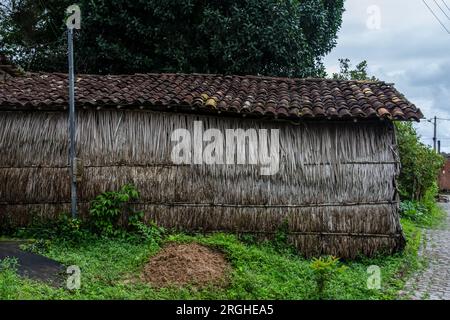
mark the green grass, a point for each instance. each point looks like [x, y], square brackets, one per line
[260, 271]
[436, 216]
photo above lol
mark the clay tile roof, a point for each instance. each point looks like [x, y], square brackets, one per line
[203, 93]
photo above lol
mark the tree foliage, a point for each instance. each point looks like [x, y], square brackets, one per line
[358, 73]
[31, 33]
[270, 37]
[420, 164]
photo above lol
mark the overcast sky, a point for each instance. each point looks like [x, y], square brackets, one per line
[407, 46]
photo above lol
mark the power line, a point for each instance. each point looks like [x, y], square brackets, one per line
[443, 1]
[441, 9]
[432, 119]
[436, 17]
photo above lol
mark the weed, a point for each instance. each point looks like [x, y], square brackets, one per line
[325, 268]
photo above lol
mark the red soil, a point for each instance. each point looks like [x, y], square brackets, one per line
[181, 264]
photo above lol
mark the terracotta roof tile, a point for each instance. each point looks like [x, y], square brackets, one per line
[262, 96]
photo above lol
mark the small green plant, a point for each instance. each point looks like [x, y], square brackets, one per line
[40, 246]
[151, 232]
[248, 238]
[63, 227]
[413, 210]
[111, 213]
[424, 212]
[281, 239]
[8, 279]
[71, 230]
[325, 268]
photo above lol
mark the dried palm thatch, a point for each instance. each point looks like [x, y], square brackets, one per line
[335, 189]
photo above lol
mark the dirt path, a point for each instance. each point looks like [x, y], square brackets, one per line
[434, 282]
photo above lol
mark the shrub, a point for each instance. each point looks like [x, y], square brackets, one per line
[111, 215]
[325, 268]
[420, 165]
[111, 212]
[151, 232]
[64, 228]
[413, 210]
[39, 246]
[424, 212]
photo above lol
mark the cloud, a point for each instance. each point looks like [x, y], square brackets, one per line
[410, 48]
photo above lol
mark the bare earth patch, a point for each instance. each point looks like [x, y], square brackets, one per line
[191, 263]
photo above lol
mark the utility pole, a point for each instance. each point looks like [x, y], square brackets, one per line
[72, 128]
[434, 133]
[439, 146]
[72, 22]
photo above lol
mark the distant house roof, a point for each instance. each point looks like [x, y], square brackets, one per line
[246, 95]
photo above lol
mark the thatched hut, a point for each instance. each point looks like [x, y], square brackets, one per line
[335, 190]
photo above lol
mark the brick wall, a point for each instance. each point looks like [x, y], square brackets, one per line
[444, 176]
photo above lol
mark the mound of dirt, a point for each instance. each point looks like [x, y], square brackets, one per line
[181, 264]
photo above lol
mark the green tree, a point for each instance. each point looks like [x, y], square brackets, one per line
[270, 37]
[31, 33]
[346, 73]
[420, 164]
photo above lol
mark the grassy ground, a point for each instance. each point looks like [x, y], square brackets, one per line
[260, 271]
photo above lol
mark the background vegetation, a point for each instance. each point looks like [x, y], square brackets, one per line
[269, 37]
[420, 164]
[417, 182]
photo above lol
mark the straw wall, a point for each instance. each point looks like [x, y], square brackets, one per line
[335, 187]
